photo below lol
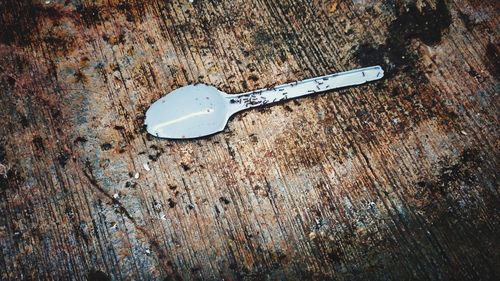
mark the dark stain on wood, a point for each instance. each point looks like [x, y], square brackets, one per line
[392, 180]
[492, 60]
[38, 142]
[97, 275]
[468, 23]
[426, 25]
[20, 19]
[451, 173]
[80, 140]
[90, 14]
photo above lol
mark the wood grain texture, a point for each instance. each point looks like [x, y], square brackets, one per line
[394, 180]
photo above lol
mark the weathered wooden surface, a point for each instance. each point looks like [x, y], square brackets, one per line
[395, 180]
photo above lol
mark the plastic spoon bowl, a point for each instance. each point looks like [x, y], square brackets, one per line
[199, 110]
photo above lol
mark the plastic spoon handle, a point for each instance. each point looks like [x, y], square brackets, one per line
[304, 87]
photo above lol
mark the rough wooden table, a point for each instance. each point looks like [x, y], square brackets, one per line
[394, 180]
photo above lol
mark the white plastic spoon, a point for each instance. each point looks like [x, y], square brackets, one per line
[199, 110]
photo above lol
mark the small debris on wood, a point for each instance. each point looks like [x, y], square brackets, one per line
[333, 6]
[113, 225]
[106, 146]
[171, 203]
[224, 200]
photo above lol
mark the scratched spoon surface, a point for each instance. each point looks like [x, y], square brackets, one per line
[199, 110]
